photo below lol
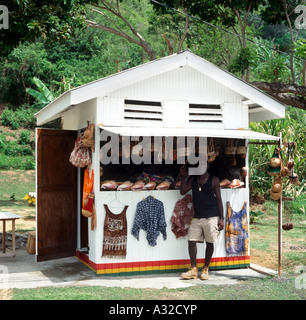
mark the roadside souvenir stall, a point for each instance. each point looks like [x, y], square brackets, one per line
[138, 127]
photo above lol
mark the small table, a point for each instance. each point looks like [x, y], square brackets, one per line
[5, 216]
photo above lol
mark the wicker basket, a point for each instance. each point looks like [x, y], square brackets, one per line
[276, 195]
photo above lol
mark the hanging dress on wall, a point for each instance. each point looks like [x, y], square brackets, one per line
[182, 215]
[236, 231]
[115, 234]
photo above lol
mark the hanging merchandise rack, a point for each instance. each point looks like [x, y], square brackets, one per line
[288, 213]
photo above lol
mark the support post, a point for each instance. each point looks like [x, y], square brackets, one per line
[279, 203]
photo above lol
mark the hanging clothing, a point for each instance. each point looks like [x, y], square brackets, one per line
[115, 234]
[150, 217]
[236, 231]
[88, 206]
[88, 184]
[182, 215]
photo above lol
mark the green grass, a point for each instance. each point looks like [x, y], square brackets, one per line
[259, 289]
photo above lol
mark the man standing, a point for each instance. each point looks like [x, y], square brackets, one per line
[208, 218]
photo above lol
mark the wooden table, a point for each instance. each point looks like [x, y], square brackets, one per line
[5, 216]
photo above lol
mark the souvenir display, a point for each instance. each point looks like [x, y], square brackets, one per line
[236, 183]
[225, 183]
[109, 185]
[115, 234]
[182, 215]
[236, 231]
[150, 186]
[127, 185]
[211, 152]
[81, 154]
[139, 185]
[288, 213]
[150, 217]
[293, 177]
[275, 163]
[163, 185]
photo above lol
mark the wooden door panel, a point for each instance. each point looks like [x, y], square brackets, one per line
[56, 195]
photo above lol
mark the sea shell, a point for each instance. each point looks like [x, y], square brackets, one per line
[109, 185]
[125, 186]
[138, 186]
[225, 183]
[150, 186]
[236, 183]
[164, 185]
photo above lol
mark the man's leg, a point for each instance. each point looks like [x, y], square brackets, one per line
[192, 248]
[208, 253]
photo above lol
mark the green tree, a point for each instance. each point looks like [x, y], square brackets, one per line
[43, 95]
[52, 20]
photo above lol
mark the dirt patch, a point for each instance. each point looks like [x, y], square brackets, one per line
[6, 294]
[264, 258]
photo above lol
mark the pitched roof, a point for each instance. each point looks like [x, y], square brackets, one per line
[269, 108]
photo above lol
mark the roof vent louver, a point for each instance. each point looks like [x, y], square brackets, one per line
[203, 113]
[143, 112]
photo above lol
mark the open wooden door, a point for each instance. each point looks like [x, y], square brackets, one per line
[56, 215]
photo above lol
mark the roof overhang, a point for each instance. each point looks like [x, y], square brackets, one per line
[187, 132]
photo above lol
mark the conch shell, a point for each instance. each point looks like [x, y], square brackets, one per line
[150, 186]
[109, 185]
[125, 186]
[138, 186]
[164, 185]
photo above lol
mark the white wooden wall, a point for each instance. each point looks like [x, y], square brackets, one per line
[170, 249]
[176, 89]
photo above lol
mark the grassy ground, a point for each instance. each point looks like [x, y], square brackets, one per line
[264, 289]
[15, 184]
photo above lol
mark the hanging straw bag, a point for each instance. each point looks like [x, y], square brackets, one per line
[211, 152]
[80, 156]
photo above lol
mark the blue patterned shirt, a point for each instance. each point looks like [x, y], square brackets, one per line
[150, 217]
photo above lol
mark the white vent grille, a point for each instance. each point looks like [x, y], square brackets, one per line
[143, 113]
[203, 113]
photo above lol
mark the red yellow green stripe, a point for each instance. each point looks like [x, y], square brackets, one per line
[161, 266]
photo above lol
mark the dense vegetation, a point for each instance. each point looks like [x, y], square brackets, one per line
[80, 42]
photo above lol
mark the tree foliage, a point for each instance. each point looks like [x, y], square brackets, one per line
[149, 30]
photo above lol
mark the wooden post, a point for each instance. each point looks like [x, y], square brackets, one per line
[279, 203]
[3, 237]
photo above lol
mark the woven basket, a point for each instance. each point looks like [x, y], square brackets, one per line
[276, 195]
[86, 213]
